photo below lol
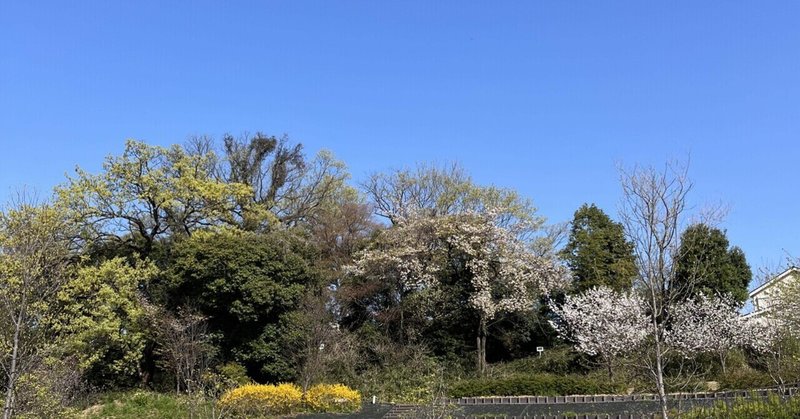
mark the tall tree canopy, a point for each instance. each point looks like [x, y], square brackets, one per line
[149, 193]
[598, 252]
[285, 185]
[707, 262]
[246, 284]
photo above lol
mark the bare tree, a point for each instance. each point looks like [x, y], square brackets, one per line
[654, 206]
[324, 346]
[34, 259]
[284, 183]
[183, 344]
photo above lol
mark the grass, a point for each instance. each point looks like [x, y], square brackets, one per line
[139, 404]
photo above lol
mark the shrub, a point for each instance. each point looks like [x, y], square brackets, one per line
[335, 398]
[533, 385]
[260, 399]
[558, 360]
[234, 373]
[769, 408]
[745, 379]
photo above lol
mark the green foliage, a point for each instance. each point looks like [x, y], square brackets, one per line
[136, 405]
[149, 193]
[234, 373]
[597, 251]
[773, 407]
[558, 360]
[102, 319]
[745, 379]
[706, 264]
[533, 385]
[247, 285]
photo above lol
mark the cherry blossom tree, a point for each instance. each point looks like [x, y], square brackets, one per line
[603, 322]
[506, 276]
[707, 325]
[503, 273]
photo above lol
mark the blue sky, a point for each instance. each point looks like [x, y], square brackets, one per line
[543, 97]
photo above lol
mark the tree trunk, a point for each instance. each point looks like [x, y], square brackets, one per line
[659, 372]
[8, 407]
[481, 344]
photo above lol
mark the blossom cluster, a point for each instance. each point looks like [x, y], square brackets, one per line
[602, 321]
[505, 274]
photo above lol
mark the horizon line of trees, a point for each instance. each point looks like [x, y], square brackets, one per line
[251, 259]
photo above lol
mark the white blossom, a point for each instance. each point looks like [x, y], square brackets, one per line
[603, 322]
[706, 324]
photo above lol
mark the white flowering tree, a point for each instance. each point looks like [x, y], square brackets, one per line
[603, 323]
[506, 275]
[501, 271]
[391, 280]
[708, 325]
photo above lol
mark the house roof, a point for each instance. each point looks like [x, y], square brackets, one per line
[792, 270]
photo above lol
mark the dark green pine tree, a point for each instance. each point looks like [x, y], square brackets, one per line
[597, 251]
[707, 264]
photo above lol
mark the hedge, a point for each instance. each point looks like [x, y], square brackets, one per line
[532, 385]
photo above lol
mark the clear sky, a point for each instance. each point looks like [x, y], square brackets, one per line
[543, 97]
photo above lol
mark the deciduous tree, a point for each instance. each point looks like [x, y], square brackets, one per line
[708, 325]
[35, 255]
[603, 322]
[101, 319]
[148, 193]
[653, 210]
[494, 269]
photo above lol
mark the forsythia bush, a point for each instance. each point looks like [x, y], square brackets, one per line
[333, 398]
[261, 399]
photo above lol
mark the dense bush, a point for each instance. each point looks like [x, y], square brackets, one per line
[335, 398]
[234, 373]
[771, 408]
[260, 399]
[533, 385]
[745, 379]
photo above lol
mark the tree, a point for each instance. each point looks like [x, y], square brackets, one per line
[35, 256]
[603, 322]
[597, 251]
[448, 190]
[487, 266]
[246, 285]
[184, 345]
[705, 263]
[149, 193]
[708, 325]
[321, 347]
[101, 318]
[283, 183]
[653, 209]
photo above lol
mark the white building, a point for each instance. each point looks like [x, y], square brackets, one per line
[765, 296]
